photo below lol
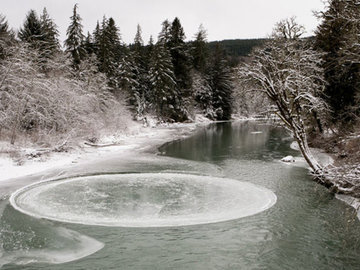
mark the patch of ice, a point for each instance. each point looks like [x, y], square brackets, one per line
[143, 200]
[82, 246]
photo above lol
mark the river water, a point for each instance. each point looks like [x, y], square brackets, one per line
[305, 227]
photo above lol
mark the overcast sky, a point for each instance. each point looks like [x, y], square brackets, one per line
[223, 19]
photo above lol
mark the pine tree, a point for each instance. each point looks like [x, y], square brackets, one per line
[113, 36]
[89, 46]
[126, 72]
[200, 50]
[108, 48]
[164, 35]
[96, 38]
[338, 37]
[138, 41]
[164, 94]
[50, 44]
[140, 93]
[75, 39]
[6, 37]
[4, 27]
[180, 57]
[31, 32]
[219, 80]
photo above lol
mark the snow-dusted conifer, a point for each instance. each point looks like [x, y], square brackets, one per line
[180, 57]
[6, 37]
[199, 50]
[338, 36]
[220, 82]
[164, 35]
[31, 32]
[75, 39]
[164, 94]
[108, 48]
[50, 44]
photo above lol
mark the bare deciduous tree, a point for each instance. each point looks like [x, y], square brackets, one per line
[288, 72]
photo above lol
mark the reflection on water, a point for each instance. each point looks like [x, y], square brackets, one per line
[306, 229]
[221, 141]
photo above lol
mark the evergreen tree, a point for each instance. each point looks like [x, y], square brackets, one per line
[200, 50]
[164, 94]
[31, 32]
[96, 38]
[50, 44]
[4, 27]
[89, 44]
[219, 81]
[338, 37]
[108, 48]
[140, 94]
[126, 72]
[6, 37]
[138, 41]
[75, 39]
[180, 57]
[164, 35]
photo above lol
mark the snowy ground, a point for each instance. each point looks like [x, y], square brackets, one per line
[138, 138]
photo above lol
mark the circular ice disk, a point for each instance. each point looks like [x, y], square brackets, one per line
[142, 200]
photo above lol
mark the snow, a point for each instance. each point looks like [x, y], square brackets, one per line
[288, 159]
[138, 137]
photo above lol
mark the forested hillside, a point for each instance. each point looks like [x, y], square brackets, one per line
[237, 47]
[96, 81]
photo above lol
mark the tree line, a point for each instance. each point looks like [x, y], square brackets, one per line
[169, 78]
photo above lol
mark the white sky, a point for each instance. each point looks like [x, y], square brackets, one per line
[223, 19]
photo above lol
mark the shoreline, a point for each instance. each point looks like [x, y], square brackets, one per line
[325, 160]
[144, 139]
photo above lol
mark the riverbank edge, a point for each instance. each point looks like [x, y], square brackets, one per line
[143, 139]
[146, 139]
[349, 200]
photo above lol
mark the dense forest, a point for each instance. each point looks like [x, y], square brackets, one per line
[45, 89]
[237, 47]
[97, 81]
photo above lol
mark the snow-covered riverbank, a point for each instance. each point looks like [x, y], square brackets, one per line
[136, 139]
[326, 160]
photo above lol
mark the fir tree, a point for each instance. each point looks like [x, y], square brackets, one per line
[180, 57]
[164, 94]
[89, 44]
[50, 44]
[4, 27]
[219, 81]
[108, 48]
[337, 37]
[96, 38]
[164, 35]
[140, 93]
[6, 37]
[75, 39]
[200, 50]
[126, 72]
[31, 32]
[138, 41]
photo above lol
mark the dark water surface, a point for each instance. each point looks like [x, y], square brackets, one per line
[307, 228]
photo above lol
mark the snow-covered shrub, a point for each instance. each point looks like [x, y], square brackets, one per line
[52, 102]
